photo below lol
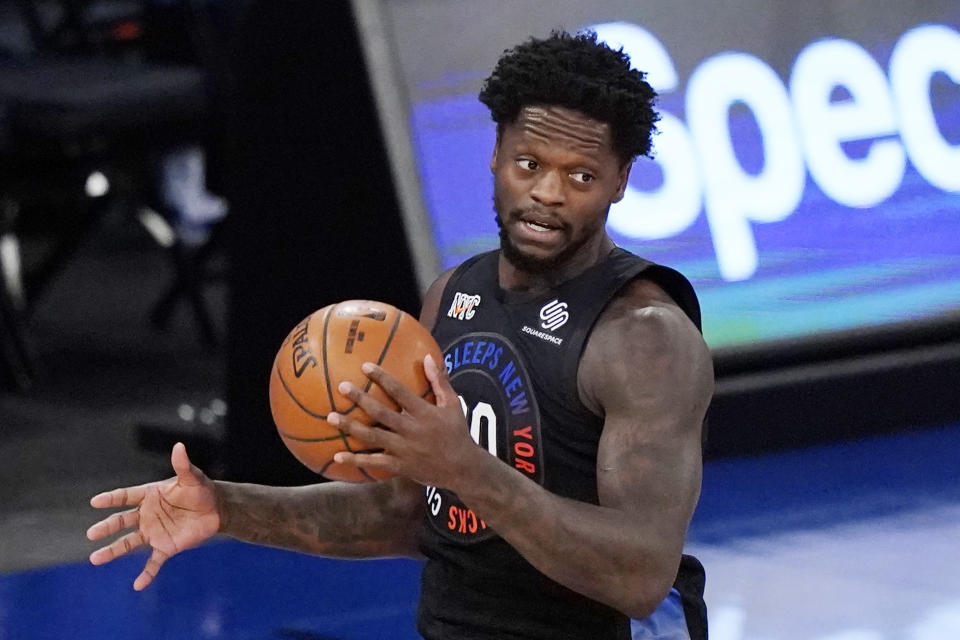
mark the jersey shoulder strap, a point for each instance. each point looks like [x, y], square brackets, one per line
[460, 272]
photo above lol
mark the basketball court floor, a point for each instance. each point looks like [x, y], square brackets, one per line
[853, 541]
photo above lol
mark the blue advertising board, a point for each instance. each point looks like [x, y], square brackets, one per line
[806, 174]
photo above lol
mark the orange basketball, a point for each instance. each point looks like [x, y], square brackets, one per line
[328, 347]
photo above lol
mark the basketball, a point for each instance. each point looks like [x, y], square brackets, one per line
[323, 350]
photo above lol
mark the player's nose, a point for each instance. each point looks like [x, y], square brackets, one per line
[548, 189]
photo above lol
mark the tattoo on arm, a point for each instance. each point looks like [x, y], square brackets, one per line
[333, 519]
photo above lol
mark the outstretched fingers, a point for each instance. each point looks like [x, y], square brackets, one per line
[123, 497]
[150, 570]
[114, 523]
[119, 547]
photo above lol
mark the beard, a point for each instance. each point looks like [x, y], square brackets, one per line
[530, 263]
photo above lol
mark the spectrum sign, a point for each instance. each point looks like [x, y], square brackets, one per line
[820, 197]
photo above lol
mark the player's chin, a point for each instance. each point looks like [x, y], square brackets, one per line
[532, 258]
[528, 246]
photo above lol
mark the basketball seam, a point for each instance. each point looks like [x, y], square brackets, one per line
[326, 466]
[300, 439]
[383, 354]
[366, 388]
[326, 373]
[393, 332]
[294, 398]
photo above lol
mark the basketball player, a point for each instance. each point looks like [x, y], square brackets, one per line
[577, 365]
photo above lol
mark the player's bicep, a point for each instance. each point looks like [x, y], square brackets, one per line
[653, 379]
[650, 471]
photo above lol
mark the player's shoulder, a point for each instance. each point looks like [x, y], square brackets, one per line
[643, 334]
[642, 310]
[439, 284]
[433, 297]
[643, 327]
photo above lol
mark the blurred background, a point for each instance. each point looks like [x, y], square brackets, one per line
[181, 181]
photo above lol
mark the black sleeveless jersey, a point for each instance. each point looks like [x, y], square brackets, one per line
[513, 361]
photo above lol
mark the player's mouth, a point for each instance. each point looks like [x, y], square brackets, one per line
[538, 232]
[539, 227]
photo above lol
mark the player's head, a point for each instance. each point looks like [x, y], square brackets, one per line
[571, 116]
[577, 72]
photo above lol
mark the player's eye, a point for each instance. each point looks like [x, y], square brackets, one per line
[527, 164]
[583, 177]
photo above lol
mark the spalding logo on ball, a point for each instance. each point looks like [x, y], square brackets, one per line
[328, 347]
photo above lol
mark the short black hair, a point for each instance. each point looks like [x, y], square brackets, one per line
[577, 72]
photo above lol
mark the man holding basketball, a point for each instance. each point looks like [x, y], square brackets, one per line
[551, 485]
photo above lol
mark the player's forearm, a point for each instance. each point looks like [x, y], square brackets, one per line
[333, 519]
[602, 553]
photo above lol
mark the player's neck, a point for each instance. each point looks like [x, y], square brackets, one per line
[513, 278]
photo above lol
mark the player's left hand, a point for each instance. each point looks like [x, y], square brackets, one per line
[427, 443]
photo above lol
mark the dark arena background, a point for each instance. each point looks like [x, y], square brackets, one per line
[182, 181]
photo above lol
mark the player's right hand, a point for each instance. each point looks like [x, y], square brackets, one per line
[170, 516]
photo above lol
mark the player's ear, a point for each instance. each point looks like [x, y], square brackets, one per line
[496, 148]
[622, 179]
[493, 156]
